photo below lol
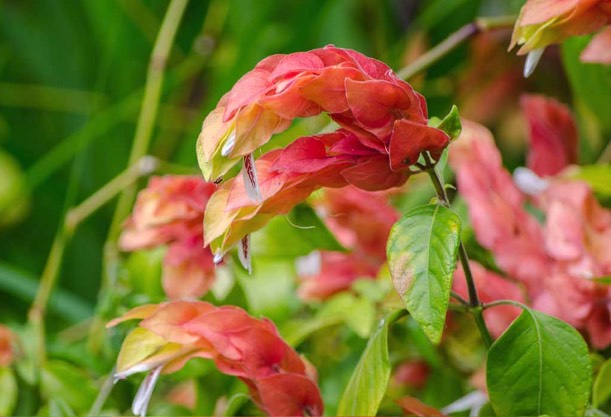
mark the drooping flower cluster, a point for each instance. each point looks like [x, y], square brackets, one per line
[170, 211]
[383, 131]
[556, 262]
[361, 221]
[280, 382]
[545, 22]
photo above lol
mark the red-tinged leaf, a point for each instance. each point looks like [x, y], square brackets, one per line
[214, 129]
[140, 312]
[328, 89]
[188, 269]
[350, 144]
[376, 103]
[414, 407]
[410, 139]
[552, 132]
[296, 63]
[270, 182]
[289, 395]
[374, 174]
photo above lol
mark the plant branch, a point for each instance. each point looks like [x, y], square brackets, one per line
[453, 41]
[475, 306]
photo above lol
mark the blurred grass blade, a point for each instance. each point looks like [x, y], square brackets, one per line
[23, 286]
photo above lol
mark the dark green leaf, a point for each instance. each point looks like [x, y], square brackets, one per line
[422, 249]
[602, 385]
[540, 365]
[368, 382]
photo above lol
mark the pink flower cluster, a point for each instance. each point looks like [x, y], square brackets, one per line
[170, 211]
[361, 221]
[280, 382]
[383, 131]
[556, 262]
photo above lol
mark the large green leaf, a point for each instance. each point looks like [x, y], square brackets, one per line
[422, 249]
[368, 382]
[540, 365]
[602, 385]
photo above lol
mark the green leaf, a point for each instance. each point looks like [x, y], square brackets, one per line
[422, 249]
[602, 385]
[62, 380]
[296, 234]
[540, 365]
[368, 382]
[8, 388]
[357, 312]
[597, 176]
[450, 123]
[270, 290]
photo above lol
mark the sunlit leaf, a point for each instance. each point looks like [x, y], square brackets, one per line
[368, 382]
[422, 249]
[540, 365]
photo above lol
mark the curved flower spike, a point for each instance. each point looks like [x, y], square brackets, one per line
[280, 381]
[362, 94]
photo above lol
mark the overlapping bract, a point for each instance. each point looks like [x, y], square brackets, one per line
[170, 211]
[280, 382]
[383, 131]
[361, 221]
[545, 22]
[557, 261]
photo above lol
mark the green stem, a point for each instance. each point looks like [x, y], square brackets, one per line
[504, 302]
[475, 306]
[453, 41]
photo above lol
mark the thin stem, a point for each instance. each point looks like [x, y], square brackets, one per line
[458, 298]
[504, 302]
[453, 41]
[474, 302]
[150, 104]
[105, 391]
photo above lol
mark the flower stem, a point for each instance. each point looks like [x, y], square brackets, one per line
[475, 306]
[453, 41]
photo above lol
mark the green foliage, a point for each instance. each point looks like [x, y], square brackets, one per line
[422, 251]
[301, 227]
[602, 385]
[9, 390]
[540, 365]
[364, 392]
[450, 123]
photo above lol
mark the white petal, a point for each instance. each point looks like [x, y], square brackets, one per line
[228, 145]
[532, 59]
[244, 253]
[218, 257]
[309, 265]
[141, 367]
[473, 401]
[251, 183]
[528, 182]
[143, 396]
